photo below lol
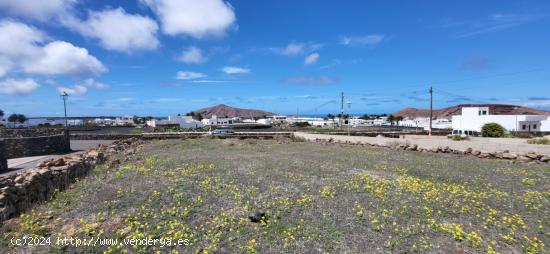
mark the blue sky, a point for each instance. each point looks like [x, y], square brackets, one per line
[162, 57]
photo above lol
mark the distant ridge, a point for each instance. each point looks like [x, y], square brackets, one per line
[223, 110]
[494, 109]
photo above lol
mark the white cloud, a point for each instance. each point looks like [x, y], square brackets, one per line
[94, 84]
[74, 90]
[117, 30]
[367, 40]
[194, 18]
[232, 70]
[312, 59]
[293, 49]
[40, 10]
[61, 57]
[297, 48]
[83, 87]
[189, 75]
[192, 55]
[25, 48]
[18, 86]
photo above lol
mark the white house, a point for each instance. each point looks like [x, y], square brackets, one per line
[103, 121]
[473, 118]
[214, 120]
[424, 122]
[124, 121]
[185, 122]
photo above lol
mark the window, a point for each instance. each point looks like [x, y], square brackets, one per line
[524, 127]
[534, 126]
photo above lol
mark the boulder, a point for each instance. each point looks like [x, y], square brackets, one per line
[468, 150]
[533, 156]
[257, 217]
[19, 179]
[544, 159]
[476, 152]
[524, 159]
[509, 156]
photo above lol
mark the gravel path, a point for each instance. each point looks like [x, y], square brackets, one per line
[486, 145]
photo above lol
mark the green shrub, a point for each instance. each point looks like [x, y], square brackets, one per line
[459, 138]
[539, 141]
[493, 130]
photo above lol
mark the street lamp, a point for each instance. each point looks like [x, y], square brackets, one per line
[65, 96]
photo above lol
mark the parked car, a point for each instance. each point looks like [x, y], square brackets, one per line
[221, 132]
[463, 133]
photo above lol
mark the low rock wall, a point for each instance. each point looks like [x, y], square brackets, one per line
[505, 155]
[19, 192]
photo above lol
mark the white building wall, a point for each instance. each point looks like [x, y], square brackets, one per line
[472, 120]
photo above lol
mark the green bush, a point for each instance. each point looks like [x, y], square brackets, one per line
[493, 130]
[459, 138]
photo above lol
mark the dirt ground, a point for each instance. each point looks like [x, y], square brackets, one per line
[304, 197]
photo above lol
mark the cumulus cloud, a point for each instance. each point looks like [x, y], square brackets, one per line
[18, 86]
[117, 30]
[232, 70]
[25, 48]
[312, 59]
[303, 80]
[193, 55]
[193, 18]
[41, 10]
[371, 40]
[189, 75]
[61, 57]
[74, 90]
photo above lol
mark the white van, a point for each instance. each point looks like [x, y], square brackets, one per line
[464, 133]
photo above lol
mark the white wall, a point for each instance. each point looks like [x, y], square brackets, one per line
[471, 120]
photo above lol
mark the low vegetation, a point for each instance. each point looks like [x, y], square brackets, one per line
[493, 130]
[539, 141]
[303, 197]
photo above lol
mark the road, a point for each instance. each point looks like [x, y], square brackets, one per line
[486, 145]
[22, 164]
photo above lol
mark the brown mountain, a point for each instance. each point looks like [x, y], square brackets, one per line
[494, 109]
[227, 111]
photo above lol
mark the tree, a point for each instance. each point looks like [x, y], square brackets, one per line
[398, 119]
[330, 116]
[391, 119]
[1, 113]
[493, 130]
[12, 118]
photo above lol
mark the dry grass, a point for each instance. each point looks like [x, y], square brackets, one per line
[539, 141]
[317, 198]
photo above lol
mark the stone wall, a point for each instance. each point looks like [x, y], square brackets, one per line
[19, 192]
[34, 146]
[3, 159]
[30, 132]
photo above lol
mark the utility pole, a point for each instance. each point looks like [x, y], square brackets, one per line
[64, 96]
[341, 110]
[349, 119]
[431, 110]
